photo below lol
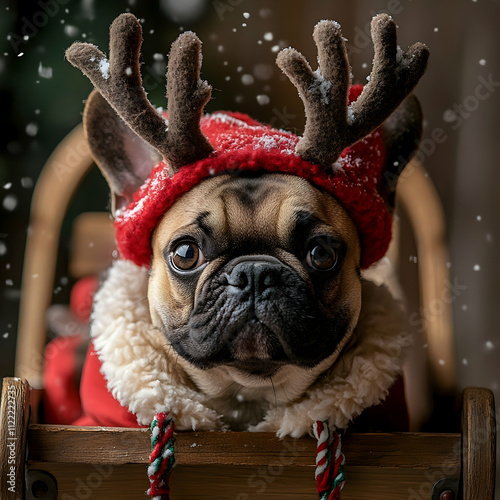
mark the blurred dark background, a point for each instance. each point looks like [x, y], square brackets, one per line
[42, 95]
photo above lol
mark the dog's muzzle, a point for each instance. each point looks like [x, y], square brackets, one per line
[257, 314]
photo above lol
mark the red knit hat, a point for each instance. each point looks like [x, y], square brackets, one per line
[244, 144]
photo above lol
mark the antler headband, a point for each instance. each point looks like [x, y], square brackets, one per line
[119, 82]
[331, 124]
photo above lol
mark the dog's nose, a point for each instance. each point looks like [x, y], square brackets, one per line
[258, 276]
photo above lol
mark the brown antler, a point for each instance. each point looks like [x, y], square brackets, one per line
[332, 125]
[119, 81]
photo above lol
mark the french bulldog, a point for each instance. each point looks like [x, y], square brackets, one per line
[255, 275]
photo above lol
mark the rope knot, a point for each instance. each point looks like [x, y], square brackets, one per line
[162, 459]
[329, 475]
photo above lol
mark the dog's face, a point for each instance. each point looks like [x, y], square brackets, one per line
[255, 273]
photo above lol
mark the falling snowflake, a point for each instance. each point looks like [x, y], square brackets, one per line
[26, 182]
[247, 79]
[263, 99]
[10, 202]
[44, 72]
[32, 129]
[70, 30]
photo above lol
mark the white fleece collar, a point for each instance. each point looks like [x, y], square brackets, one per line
[143, 375]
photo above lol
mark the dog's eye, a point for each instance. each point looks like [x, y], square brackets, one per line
[187, 256]
[321, 256]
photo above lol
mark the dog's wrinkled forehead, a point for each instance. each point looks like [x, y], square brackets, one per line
[270, 209]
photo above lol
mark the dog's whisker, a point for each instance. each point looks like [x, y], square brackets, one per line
[138, 302]
[239, 388]
[166, 345]
[275, 396]
[282, 387]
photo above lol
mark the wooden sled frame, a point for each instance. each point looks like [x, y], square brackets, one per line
[49, 462]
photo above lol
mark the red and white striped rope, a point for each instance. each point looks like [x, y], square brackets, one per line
[329, 475]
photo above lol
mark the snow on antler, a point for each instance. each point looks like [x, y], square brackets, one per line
[332, 124]
[119, 82]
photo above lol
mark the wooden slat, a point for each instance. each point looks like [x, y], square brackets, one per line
[92, 244]
[479, 444]
[106, 445]
[420, 201]
[110, 463]
[14, 417]
[60, 176]
[221, 482]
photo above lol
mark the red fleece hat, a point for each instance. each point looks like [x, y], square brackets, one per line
[243, 144]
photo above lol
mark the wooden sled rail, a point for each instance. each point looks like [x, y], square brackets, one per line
[110, 463]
